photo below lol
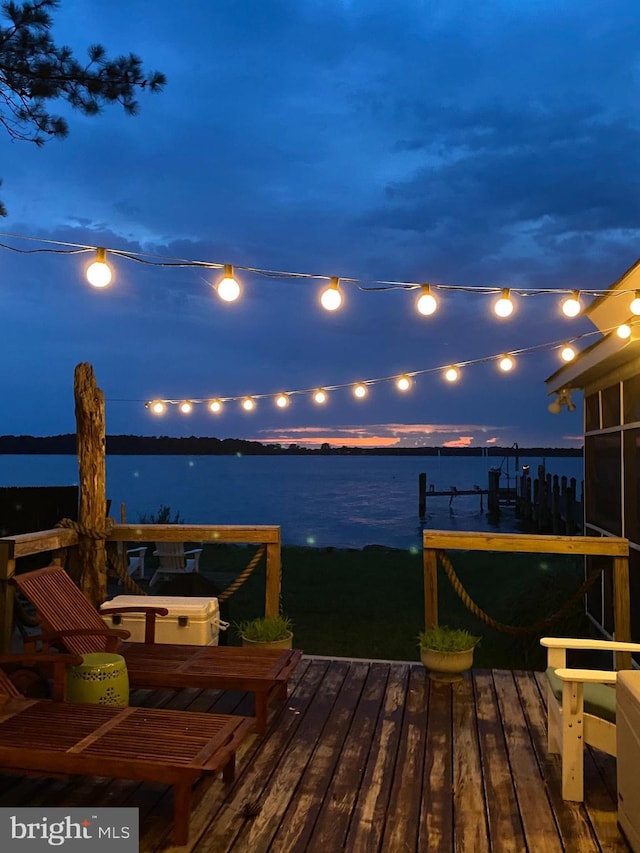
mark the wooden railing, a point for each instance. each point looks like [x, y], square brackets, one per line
[617, 548]
[56, 540]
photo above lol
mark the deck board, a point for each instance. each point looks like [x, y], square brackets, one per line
[373, 756]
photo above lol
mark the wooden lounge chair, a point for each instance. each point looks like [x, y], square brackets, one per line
[41, 737]
[69, 620]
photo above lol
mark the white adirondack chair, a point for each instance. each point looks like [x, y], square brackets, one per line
[174, 560]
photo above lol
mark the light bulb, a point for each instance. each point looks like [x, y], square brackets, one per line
[228, 288]
[320, 396]
[452, 374]
[331, 298]
[215, 406]
[635, 303]
[403, 383]
[186, 407]
[426, 303]
[360, 390]
[503, 307]
[571, 306]
[282, 401]
[624, 331]
[567, 353]
[248, 404]
[506, 363]
[158, 407]
[556, 407]
[99, 272]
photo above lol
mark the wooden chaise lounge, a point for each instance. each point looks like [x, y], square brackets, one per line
[69, 620]
[41, 737]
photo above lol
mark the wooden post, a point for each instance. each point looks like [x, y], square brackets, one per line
[422, 495]
[493, 498]
[621, 609]
[7, 570]
[273, 580]
[90, 429]
[430, 572]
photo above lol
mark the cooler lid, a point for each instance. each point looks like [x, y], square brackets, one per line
[177, 605]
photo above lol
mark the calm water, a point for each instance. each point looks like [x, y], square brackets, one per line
[341, 501]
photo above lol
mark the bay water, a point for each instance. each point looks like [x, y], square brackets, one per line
[322, 501]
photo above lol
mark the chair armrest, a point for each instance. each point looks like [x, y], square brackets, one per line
[193, 551]
[596, 645]
[111, 635]
[587, 676]
[150, 614]
[136, 550]
[59, 663]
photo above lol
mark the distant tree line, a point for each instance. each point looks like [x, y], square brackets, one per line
[141, 445]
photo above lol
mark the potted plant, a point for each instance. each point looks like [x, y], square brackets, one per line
[269, 631]
[447, 652]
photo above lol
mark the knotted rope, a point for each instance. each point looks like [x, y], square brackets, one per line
[115, 557]
[516, 630]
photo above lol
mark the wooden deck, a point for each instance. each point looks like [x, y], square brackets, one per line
[367, 756]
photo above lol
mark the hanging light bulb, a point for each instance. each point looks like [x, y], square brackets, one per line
[635, 303]
[623, 331]
[360, 390]
[452, 374]
[157, 407]
[571, 306]
[215, 406]
[320, 396]
[403, 383]
[248, 404]
[99, 272]
[228, 288]
[186, 407]
[282, 401]
[567, 353]
[506, 363]
[426, 302]
[503, 307]
[331, 298]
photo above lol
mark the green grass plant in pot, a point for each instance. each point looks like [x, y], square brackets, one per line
[269, 631]
[447, 652]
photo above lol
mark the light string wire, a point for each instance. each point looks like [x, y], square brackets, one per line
[362, 284]
[410, 374]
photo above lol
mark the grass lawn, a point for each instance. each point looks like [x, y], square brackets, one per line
[369, 603]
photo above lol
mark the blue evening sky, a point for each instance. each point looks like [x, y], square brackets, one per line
[484, 145]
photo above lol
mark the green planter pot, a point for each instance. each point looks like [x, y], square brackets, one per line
[447, 666]
[286, 643]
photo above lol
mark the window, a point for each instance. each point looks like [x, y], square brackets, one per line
[603, 482]
[592, 412]
[611, 406]
[631, 397]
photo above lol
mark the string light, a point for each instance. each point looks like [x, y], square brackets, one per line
[360, 390]
[623, 331]
[506, 363]
[635, 303]
[186, 407]
[403, 382]
[215, 406]
[426, 304]
[282, 401]
[99, 272]
[228, 288]
[452, 374]
[331, 298]
[503, 307]
[248, 404]
[571, 306]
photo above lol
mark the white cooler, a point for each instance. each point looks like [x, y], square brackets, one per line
[190, 621]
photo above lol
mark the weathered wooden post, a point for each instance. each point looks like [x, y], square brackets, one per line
[422, 495]
[90, 569]
[493, 498]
